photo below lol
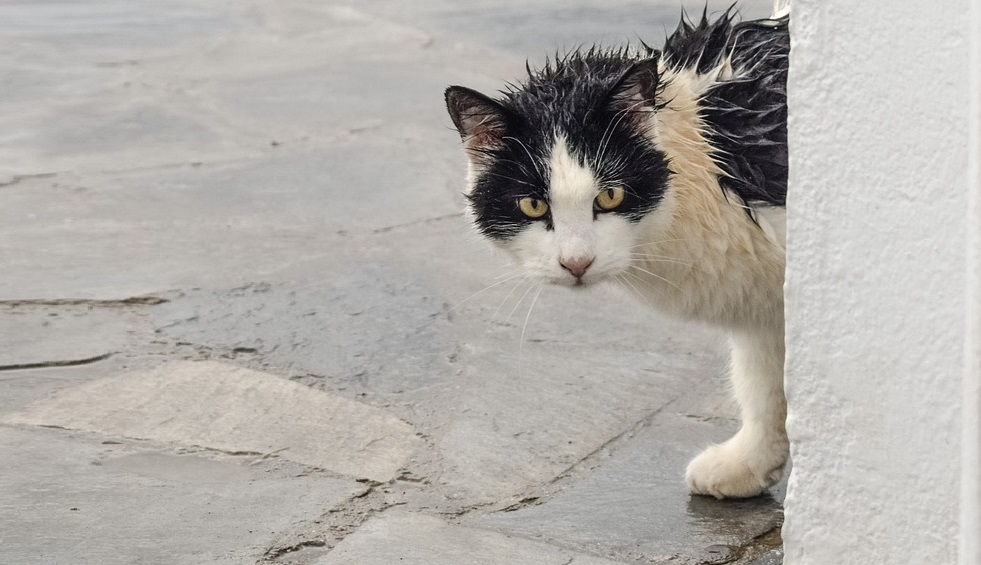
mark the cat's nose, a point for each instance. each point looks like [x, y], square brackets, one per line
[576, 265]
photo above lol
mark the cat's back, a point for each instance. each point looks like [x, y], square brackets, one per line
[744, 111]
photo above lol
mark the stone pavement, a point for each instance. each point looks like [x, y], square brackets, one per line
[243, 321]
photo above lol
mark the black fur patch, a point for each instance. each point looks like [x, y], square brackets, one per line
[746, 117]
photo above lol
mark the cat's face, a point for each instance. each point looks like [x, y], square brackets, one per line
[563, 173]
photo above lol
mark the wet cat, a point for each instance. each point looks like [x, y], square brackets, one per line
[665, 171]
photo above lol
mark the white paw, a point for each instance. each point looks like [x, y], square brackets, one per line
[726, 471]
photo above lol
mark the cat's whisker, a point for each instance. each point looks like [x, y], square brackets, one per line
[600, 149]
[659, 257]
[512, 179]
[534, 161]
[509, 273]
[521, 167]
[655, 243]
[629, 190]
[622, 114]
[514, 275]
[657, 276]
[516, 286]
[521, 340]
[645, 283]
[520, 300]
[622, 278]
[641, 254]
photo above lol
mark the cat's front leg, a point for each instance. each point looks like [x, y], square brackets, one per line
[754, 458]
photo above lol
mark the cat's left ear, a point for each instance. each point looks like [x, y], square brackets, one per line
[637, 89]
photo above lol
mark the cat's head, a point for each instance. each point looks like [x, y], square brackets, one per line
[563, 171]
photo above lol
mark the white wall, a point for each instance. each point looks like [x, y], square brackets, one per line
[970, 546]
[881, 122]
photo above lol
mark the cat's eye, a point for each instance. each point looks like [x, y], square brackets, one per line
[609, 198]
[533, 207]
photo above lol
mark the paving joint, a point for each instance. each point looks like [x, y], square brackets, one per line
[334, 525]
[760, 546]
[119, 303]
[542, 493]
[58, 363]
[15, 179]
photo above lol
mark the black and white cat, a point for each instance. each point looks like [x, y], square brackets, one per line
[664, 171]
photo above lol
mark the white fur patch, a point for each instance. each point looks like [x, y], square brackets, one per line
[572, 188]
[571, 183]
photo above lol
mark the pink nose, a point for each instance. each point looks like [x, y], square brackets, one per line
[577, 266]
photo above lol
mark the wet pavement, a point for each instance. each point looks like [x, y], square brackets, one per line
[243, 320]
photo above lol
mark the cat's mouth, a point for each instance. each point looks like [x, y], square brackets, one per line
[572, 281]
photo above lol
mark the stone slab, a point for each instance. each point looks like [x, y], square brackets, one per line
[67, 498]
[231, 409]
[635, 506]
[416, 539]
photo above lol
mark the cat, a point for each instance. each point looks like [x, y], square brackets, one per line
[664, 171]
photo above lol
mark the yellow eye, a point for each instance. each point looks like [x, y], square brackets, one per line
[609, 198]
[533, 207]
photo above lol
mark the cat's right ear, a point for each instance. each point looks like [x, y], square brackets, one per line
[637, 91]
[481, 121]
